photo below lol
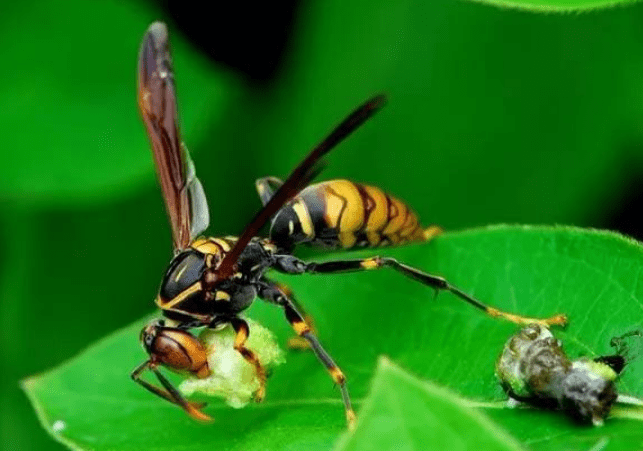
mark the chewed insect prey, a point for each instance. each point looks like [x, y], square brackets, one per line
[533, 368]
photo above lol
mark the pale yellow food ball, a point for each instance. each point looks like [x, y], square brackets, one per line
[233, 378]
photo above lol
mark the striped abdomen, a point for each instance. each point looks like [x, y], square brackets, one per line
[344, 214]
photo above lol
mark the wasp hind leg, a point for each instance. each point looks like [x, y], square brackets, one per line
[170, 393]
[273, 293]
[292, 265]
[243, 331]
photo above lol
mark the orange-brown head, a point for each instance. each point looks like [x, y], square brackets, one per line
[175, 349]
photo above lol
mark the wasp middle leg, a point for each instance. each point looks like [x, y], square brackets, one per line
[292, 265]
[272, 292]
[243, 332]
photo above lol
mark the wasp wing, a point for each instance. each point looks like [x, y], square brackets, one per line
[199, 213]
[299, 178]
[182, 192]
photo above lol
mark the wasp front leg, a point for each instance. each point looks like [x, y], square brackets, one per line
[292, 265]
[243, 331]
[170, 393]
[273, 293]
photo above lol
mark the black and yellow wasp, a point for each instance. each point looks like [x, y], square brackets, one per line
[210, 281]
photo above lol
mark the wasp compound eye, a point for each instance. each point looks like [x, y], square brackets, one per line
[148, 335]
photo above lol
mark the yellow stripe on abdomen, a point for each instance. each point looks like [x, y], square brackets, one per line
[344, 209]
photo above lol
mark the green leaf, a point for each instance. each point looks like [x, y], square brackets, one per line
[69, 101]
[403, 413]
[593, 276]
[557, 6]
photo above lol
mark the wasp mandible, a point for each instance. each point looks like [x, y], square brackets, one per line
[210, 281]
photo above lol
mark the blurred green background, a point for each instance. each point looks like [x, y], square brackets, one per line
[495, 115]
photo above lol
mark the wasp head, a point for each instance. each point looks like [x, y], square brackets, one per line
[174, 348]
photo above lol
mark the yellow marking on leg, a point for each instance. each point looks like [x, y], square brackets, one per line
[306, 223]
[337, 375]
[240, 339]
[250, 357]
[297, 342]
[371, 263]
[300, 327]
[556, 320]
[351, 419]
[285, 289]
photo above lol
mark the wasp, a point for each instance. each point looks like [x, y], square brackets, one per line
[533, 368]
[210, 281]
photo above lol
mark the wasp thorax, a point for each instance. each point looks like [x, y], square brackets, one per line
[184, 271]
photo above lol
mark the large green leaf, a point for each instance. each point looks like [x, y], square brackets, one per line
[553, 6]
[590, 275]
